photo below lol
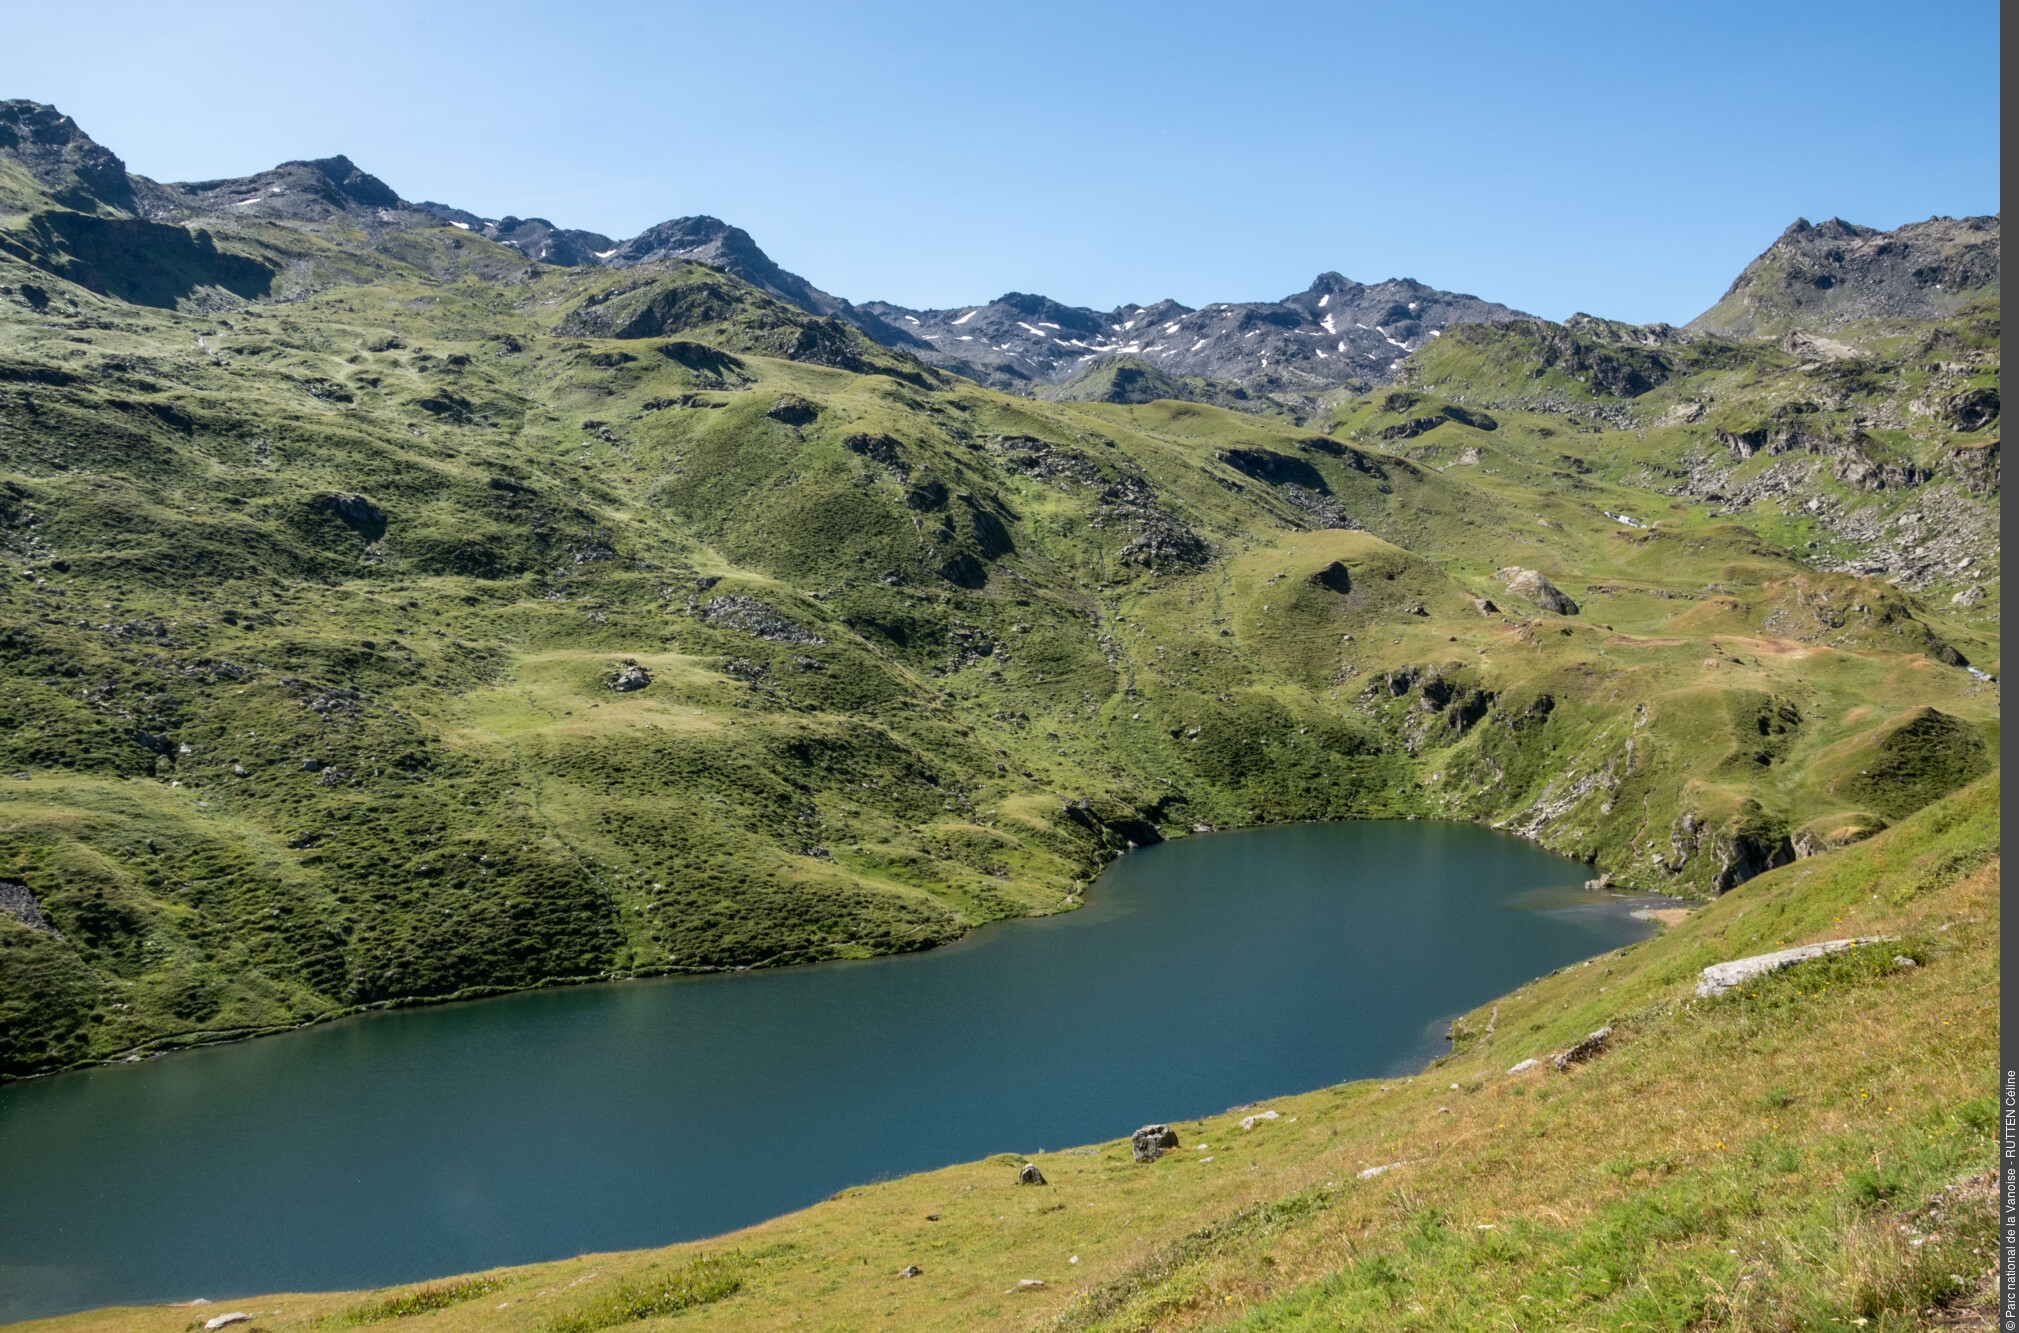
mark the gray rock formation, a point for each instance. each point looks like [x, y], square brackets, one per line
[1151, 1141]
[1030, 1175]
[632, 677]
[75, 171]
[1583, 1051]
[1721, 977]
[1528, 583]
[18, 902]
[732, 611]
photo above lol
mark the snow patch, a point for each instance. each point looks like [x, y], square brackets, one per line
[968, 316]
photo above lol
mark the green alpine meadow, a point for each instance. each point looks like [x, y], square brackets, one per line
[391, 616]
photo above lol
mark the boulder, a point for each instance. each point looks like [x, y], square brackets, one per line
[1721, 977]
[1527, 583]
[632, 677]
[235, 1317]
[1030, 1175]
[1970, 596]
[1249, 1122]
[1150, 1142]
[910, 1270]
[1584, 1050]
[1525, 1066]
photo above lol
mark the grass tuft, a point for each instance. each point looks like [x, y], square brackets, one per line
[422, 1300]
[701, 1281]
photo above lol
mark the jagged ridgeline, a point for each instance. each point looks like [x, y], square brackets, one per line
[390, 615]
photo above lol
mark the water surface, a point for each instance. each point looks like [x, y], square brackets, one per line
[397, 1146]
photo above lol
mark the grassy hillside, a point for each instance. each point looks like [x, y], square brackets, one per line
[319, 595]
[1812, 1150]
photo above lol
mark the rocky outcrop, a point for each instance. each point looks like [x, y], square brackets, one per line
[1532, 585]
[18, 902]
[1152, 1141]
[1721, 977]
[1749, 843]
[632, 678]
[61, 158]
[747, 614]
[1583, 1051]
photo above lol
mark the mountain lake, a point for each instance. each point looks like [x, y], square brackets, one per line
[396, 1146]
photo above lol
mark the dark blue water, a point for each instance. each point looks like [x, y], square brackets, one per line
[397, 1146]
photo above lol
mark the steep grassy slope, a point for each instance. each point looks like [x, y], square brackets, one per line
[1812, 1150]
[318, 609]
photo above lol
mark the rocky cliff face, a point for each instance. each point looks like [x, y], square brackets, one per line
[1821, 277]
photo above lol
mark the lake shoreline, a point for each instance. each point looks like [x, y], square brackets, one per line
[177, 1043]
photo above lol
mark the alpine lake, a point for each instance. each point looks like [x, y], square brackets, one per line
[396, 1146]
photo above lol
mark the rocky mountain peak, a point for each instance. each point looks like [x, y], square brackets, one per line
[303, 190]
[1835, 229]
[1818, 277]
[76, 171]
[704, 238]
[535, 238]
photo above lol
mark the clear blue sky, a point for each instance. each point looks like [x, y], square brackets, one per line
[1624, 159]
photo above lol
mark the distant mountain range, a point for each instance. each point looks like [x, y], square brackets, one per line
[1337, 333]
